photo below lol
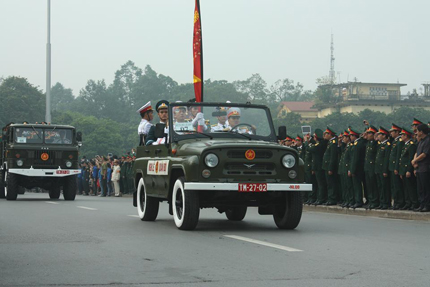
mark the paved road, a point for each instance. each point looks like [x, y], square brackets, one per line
[96, 241]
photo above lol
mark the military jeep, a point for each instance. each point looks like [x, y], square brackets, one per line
[227, 157]
[35, 155]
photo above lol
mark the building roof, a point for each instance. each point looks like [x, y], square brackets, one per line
[299, 106]
[362, 83]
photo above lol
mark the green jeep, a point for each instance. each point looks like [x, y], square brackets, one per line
[35, 155]
[232, 164]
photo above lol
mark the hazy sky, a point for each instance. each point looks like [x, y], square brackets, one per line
[375, 40]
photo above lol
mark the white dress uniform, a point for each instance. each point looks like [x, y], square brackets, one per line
[144, 124]
[220, 127]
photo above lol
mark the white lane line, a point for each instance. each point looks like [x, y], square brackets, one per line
[52, 202]
[286, 248]
[133, 215]
[89, 208]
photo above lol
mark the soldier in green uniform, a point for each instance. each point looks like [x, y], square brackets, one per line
[317, 151]
[381, 169]
[130, 177]
[397, 144]
[309, 175]
[341, 146]
[406, 171]
[123, 173]
[349, 189]
[356, 167]
[330, 165]
[301, 149]
[414, 126]
[369, 168]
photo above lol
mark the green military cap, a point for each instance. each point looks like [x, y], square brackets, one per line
[353, 132]
[395, 127]
[318, 133]
[330, 131]
[163, 104]
[406, 132]
[416, 122]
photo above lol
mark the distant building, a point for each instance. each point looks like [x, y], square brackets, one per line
[305, 109]
[354, 97]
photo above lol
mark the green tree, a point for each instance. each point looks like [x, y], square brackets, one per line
[20, 101]
[256, 89]
[61, 98]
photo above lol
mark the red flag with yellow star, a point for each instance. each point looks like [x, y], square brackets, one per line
[198, 54]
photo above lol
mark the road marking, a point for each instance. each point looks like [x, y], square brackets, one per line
[52, 202]
[286, 248]
[133, 215]
[89, 208]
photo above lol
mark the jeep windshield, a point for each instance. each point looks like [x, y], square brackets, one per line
[51, 135]
[220, 120]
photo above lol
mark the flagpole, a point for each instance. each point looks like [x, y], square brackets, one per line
[48, 67]
[201, 45]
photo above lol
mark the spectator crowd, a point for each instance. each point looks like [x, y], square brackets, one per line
[107, 175]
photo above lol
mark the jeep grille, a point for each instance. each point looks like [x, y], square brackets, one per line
[259, 154]
[249, 169]
[39, 162]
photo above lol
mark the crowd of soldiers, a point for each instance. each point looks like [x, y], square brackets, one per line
[374, 169]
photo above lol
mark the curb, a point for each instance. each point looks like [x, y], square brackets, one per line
[393, 214]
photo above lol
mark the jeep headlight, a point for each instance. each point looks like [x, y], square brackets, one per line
[211, 160]
[69, 164]
[19, 162]
[288, 161]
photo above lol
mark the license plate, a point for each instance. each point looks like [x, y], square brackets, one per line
[252, 187]
[63, 171]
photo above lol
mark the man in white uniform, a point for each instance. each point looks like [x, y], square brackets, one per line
[222, 124]
[146, 114]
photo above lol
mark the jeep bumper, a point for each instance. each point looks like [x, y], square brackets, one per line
[45, 172]
[235, 186]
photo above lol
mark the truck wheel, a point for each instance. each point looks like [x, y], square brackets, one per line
[69, 187]
[2, 194]
[236, 213]
[288, 215]
[54, 191]
[147, 207]
[186, 209]
[12, 187]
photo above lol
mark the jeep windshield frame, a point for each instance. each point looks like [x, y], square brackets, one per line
[255, 122]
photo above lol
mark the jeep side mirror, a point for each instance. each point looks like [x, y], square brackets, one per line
[159, 130]
[282, 132]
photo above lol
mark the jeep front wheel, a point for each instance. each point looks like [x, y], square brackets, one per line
[288, 214]
[69, 187]
[185, 205]
[12, 187]
[147, 207]
[236, 213]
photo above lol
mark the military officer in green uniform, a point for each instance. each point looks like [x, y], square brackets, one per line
[369, 168]
[414, 126]
[130, 176]
[348, 193]
[317, 151]
[330, 165]
[341, 146]
[381, 169]
[397, 144]
[356, 167]
[124, 173]
[406, 171]
[301, 149]
[309, 175]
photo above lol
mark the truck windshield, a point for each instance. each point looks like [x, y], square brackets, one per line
[230, 121]
[39, 136]
[28, 135]
[58, 136]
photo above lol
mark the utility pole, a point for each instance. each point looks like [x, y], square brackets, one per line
[332, 76]
[48, 68]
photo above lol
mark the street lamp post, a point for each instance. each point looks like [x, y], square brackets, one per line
[48, 68]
